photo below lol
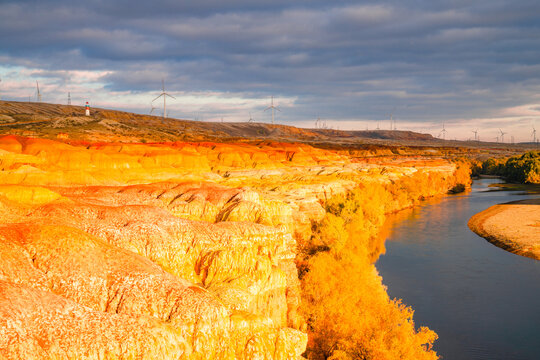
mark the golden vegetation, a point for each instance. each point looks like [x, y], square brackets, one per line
[348, 311]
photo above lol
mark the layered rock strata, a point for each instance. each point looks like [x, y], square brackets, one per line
[170, 250]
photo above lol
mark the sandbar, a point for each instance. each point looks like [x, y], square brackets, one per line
[513, 226]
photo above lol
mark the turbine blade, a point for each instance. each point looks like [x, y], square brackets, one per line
[170, 96]
[157, 97]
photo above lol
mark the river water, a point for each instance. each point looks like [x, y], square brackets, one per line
[483, 302]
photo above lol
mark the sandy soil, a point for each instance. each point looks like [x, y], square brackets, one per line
[514, 226]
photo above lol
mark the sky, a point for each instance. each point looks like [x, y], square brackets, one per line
[354, 64]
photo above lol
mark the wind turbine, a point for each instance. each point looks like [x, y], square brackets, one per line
[534, 135]
[475, 134]
[273, 108]
[250, 118]
[0, 94]
[152, 107]
[69, 98]
[443, 132]
[38, 93]
[164, 94]
[392, 118]
[502, 135]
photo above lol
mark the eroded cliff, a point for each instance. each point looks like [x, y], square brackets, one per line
[170, 250]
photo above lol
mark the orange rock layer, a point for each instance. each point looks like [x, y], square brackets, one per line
[170, 250]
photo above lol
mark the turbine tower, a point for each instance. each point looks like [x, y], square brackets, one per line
[475, 134]
[38, 93]
[164, 94]
[534, 135]
[273, 108]
[443, 132]
[69, 98]
[392, 126]
[502, 135]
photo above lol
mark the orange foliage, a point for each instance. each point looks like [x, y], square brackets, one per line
[347, 309]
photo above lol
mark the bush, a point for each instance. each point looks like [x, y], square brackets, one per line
[351, 316]
[524, 168]
[493, 166]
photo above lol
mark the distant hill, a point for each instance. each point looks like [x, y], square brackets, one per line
[530, 143]
[377, 134]
[66, 121]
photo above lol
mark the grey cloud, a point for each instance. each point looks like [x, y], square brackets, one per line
[355, 59]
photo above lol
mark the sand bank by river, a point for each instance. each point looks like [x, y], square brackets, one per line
[514, 226]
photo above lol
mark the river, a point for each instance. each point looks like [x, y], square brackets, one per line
[483, 302]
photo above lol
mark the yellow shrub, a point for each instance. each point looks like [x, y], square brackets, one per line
[347, 309]
[350, 314]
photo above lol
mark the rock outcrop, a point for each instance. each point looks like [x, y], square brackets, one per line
[166, 250]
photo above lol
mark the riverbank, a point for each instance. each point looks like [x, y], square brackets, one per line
[514, 227]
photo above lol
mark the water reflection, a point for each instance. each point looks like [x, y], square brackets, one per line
[481, 300]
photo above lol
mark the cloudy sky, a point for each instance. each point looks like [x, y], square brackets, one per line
[469, 64]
